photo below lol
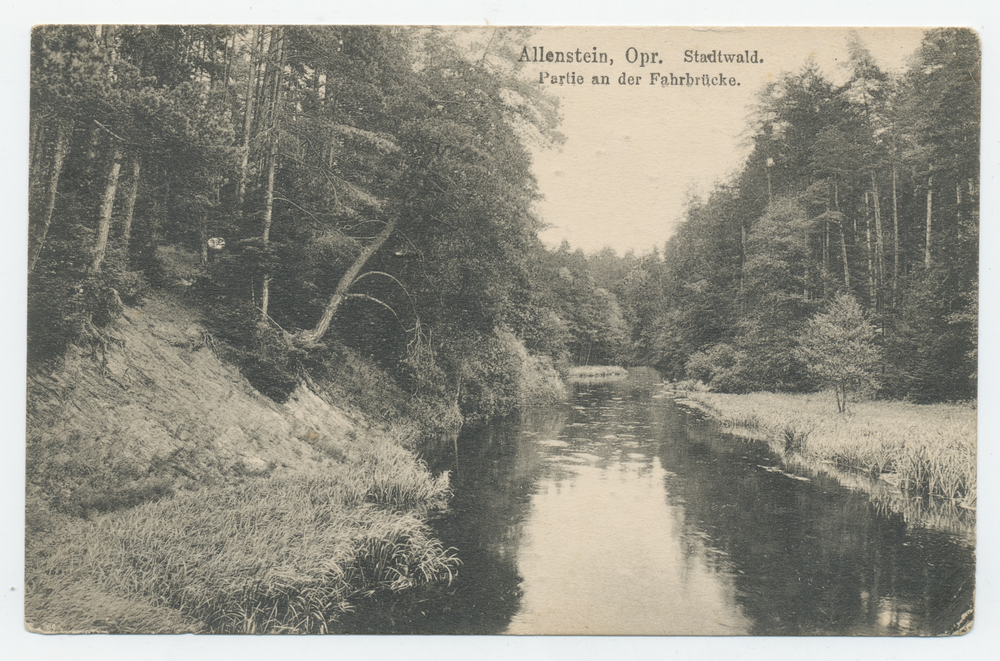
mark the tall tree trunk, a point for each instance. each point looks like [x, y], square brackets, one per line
[870, 252]
[265, 293]
[64, 129]
[843, 236]
[107, 205]
[879, 246]
[895, 237]
[930, 205]
[958, 209]
[825, 258]
[36, 147]
[203, 237]
[743, 265]
[133, 192]
[843, 255]
[213, 67]
[277, 43]
[241, 188]
[344, 285]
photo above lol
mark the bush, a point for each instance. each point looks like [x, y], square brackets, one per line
[68, 307]
[838, 349]
[722, 367]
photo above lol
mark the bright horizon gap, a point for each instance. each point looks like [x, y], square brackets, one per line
[634, 155]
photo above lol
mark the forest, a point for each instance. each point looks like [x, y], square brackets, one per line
[370, 188]
[359, 189]
[851, 233]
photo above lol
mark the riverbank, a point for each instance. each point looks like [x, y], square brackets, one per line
[166, 495]
[920, 449]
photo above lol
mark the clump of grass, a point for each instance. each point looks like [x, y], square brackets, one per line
[390, 475]
[602, 372]
[927, 449]
[795, 439]
[268, 555]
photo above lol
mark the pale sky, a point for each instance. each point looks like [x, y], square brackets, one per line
[634, 153]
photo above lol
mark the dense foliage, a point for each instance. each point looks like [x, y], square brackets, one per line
[866, 191]
[372, 188]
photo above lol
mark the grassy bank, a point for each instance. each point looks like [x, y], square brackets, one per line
[166, 495]
[924, 449]
[282, 554]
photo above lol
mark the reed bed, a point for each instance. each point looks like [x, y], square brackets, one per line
[270, 555]
[926, 449]
[595, 372]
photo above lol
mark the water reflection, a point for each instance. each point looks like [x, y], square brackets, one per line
[602, 552]
[623, 514]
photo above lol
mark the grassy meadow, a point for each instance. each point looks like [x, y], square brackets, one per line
[924, 449]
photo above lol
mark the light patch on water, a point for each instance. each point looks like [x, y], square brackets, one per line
[604, 553]
[554, 443]
[775, 469]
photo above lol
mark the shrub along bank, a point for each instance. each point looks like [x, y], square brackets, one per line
[925, 449]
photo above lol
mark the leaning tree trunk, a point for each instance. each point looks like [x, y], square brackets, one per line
[107, 204]
[314, 335]
[63, 132]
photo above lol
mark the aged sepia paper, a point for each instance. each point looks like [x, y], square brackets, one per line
[845, 160]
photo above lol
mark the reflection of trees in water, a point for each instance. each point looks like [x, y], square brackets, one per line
[811, 557]
[924, 511]
[492, 483]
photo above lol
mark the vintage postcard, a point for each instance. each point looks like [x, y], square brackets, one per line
[368, 329]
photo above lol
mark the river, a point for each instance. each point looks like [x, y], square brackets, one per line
[624, 513]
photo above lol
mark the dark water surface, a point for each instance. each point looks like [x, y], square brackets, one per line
[626, 514]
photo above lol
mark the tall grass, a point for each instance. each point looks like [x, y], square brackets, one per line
[270, 555]
[390, 475]
[926, 449]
